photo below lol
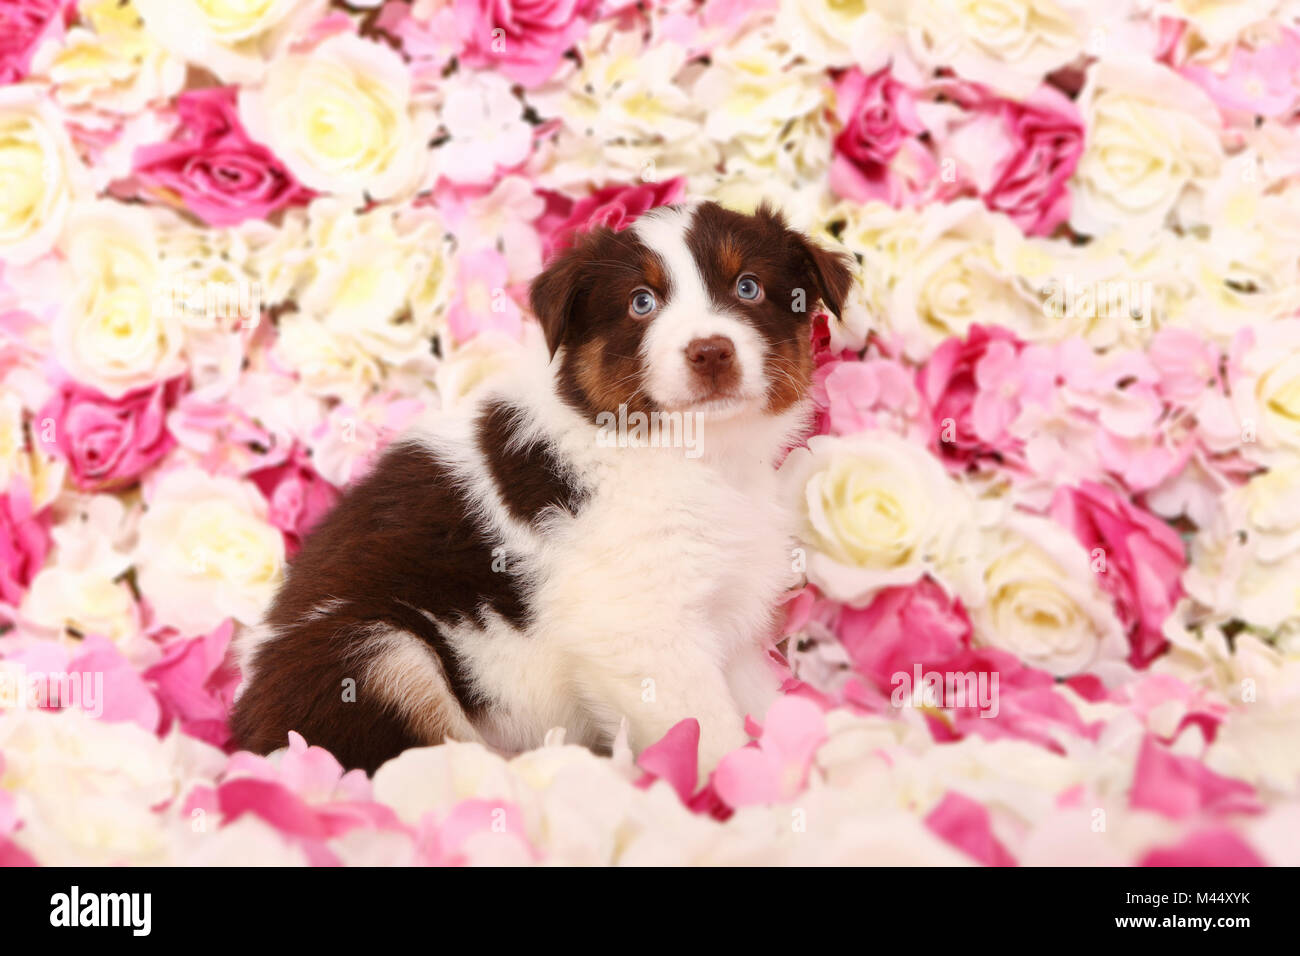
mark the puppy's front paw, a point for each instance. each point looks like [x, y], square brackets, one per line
[719, 736]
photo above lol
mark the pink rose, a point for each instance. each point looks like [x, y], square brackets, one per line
[1046, 134]
[221, 175]
[872, 393]
[615, 206]
[24, 25]
[195, 685]
[110, 442]
[966, 384]
[1257, 81]
[877, 115]
[297, 495]
[1144, 560]
[902, 626]
[24, 542]
[1016, 156]
[524, 39]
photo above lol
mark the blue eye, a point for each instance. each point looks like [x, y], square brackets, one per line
[643, 302]
[748, 288]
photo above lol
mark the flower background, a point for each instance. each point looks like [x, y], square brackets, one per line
[244, 244]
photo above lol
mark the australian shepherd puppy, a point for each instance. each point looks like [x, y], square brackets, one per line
[597, 538]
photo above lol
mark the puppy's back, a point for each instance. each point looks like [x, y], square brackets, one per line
[351, 655]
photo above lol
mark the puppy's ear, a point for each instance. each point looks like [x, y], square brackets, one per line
[829, 274]
[553, 295]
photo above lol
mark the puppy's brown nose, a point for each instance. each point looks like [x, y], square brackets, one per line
[711, 358]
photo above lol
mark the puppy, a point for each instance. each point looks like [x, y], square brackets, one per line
[551, 558]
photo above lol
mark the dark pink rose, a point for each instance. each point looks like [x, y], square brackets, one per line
[297, 495]
[220, 175]
[1017, 156]
[968, 417]
[614, 206]
[24, 542]
[24, 25]
[110, 442]
[195, 685]
[902, 626]
[1143, 560]
[524, 39]
[1046, 134]
[877, 115]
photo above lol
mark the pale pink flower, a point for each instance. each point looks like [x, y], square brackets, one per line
[483, 301]
[777, 768]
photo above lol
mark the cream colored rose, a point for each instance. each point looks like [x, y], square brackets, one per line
[1266, 391]
[206, 552]
[81, 590]
[1236, 252]
[23, 463]
[73, 603]
[232, 38]
[109, 64]
[1246, 564]
[952, 267]
[1220, 21]
[375, 280]
[878, 511]
[627, 115]
[1042, 601]
[39, 173]
[1150, 135]
[340, 117]
[839, 33]
[327, 364]
[1009, 45]
[765, 106]
[86, 788]
[115, 332]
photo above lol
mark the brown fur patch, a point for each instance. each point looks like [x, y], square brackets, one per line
[582, 301]
[401, 545]
[529, 477]
[793, 272]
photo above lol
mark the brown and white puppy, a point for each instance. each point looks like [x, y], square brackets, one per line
[597, 539]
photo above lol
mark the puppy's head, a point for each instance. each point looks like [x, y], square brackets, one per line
[693, 308]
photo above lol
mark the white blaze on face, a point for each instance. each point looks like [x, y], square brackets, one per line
[689, 314]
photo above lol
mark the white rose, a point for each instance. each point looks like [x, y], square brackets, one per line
[328, 364]
[206, 552]
[113, 332]
[878, 512]
[1042, 601]
[933, 276]
[1150, 135]
[1009, 45]
[625, 116]
[1246, 564]
[1219, 21]
[340, 117]
[1266, 390]
[374, 280]
[81, 591]
[760, 101]
[232, 38]
[109, 64]
[65, 601]
[39, 173]
[835, 33]
[85, 788]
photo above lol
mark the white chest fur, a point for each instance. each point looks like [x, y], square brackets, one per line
[655, 602]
